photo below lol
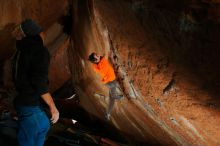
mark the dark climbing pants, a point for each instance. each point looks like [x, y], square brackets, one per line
[33, 125]
[113, 90]
[112, 95]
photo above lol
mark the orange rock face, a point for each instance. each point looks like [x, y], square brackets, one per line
[156, 54]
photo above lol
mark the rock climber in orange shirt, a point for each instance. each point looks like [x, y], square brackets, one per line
[106, 71]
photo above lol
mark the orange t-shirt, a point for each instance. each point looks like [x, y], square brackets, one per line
[105, 69]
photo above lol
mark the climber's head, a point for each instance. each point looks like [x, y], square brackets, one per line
[94, 58]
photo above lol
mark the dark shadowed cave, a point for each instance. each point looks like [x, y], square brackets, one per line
[165, 54]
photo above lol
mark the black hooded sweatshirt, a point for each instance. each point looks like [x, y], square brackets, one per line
[30, 71]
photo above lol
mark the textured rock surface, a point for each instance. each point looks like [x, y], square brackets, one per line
[161, 48]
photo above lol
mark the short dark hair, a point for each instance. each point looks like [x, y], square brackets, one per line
[91, 57]
[30, 27]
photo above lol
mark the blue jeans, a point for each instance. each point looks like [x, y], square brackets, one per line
[33, 125]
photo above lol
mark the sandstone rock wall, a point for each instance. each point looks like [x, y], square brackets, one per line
[164, 64]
